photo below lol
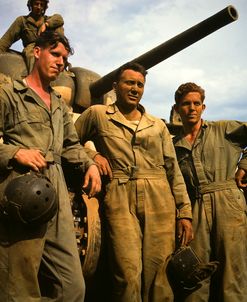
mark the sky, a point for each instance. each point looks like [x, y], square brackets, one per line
[106, 34]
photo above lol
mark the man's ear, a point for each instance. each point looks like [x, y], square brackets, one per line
[203, 107]
[36, 52]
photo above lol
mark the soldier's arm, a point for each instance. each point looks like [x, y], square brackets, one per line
[11, 35]
[54, 22]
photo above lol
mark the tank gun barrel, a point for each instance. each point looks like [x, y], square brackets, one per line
[170, 47]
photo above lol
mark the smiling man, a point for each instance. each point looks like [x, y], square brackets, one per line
[145, 191]
[208, 155]
[41, 262]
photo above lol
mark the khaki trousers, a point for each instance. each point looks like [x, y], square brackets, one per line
[220, 226]
[141, 229]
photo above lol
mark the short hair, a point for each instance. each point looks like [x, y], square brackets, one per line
[185, 88]
[52, 38]
[132, 66]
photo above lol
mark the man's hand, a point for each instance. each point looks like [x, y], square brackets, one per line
[92, 181]
[184, 231]
[103, 165]
[241, 179]
[31, 158]
[42, 28]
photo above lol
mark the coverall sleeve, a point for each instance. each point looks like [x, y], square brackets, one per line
[236, 132]
[12, 35]
[85, 126]
[55, 22]
[7, 151]
[73, 151]
[91, 153]
[175, 178]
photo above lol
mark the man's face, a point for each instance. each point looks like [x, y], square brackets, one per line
[50, 61]
[129, 89]
[38, 8]
[190, 108]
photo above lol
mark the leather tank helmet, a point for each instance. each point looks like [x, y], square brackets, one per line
[30, 4]
[29, 199]
[186, 270]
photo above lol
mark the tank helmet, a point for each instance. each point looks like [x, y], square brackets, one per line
[30, 199]
[30, 4]
[186, 270]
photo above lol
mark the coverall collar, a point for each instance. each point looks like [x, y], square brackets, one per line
[20, 86]
[115, 114]
[180, 140]
[31, 20]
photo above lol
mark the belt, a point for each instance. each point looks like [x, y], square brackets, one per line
[217, 186]
[210, 188]
[133, 172]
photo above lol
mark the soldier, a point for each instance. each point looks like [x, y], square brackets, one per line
[28, 28]
[146, 193]
[208, 154]
[38, 132]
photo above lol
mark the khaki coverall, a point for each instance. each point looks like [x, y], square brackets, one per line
[26, 29]
[219, 207]
[26, 122]
[141, 200]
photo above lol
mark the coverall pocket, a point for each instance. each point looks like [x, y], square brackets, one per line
[154, 148]
[218, 164]
[32, 120]
[236, 200]
[115, 144]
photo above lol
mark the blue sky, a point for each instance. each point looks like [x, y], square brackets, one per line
[106, 34]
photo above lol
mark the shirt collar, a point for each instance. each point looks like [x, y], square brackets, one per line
[20, 86]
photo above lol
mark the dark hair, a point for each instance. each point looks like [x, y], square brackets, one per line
[130, 65]
[186, 88]
[52, 38]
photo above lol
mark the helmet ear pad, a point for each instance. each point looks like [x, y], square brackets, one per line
[30, 199]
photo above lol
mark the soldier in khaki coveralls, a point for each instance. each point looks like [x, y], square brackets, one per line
[146, 192]
[38, 131]
[208, 154]
[28, 28]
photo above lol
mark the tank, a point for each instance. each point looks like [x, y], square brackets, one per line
[81, 88]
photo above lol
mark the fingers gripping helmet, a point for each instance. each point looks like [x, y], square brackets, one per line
[30, 4]
[30, 199]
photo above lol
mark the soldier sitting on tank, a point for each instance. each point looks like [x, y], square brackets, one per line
[28, 28]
